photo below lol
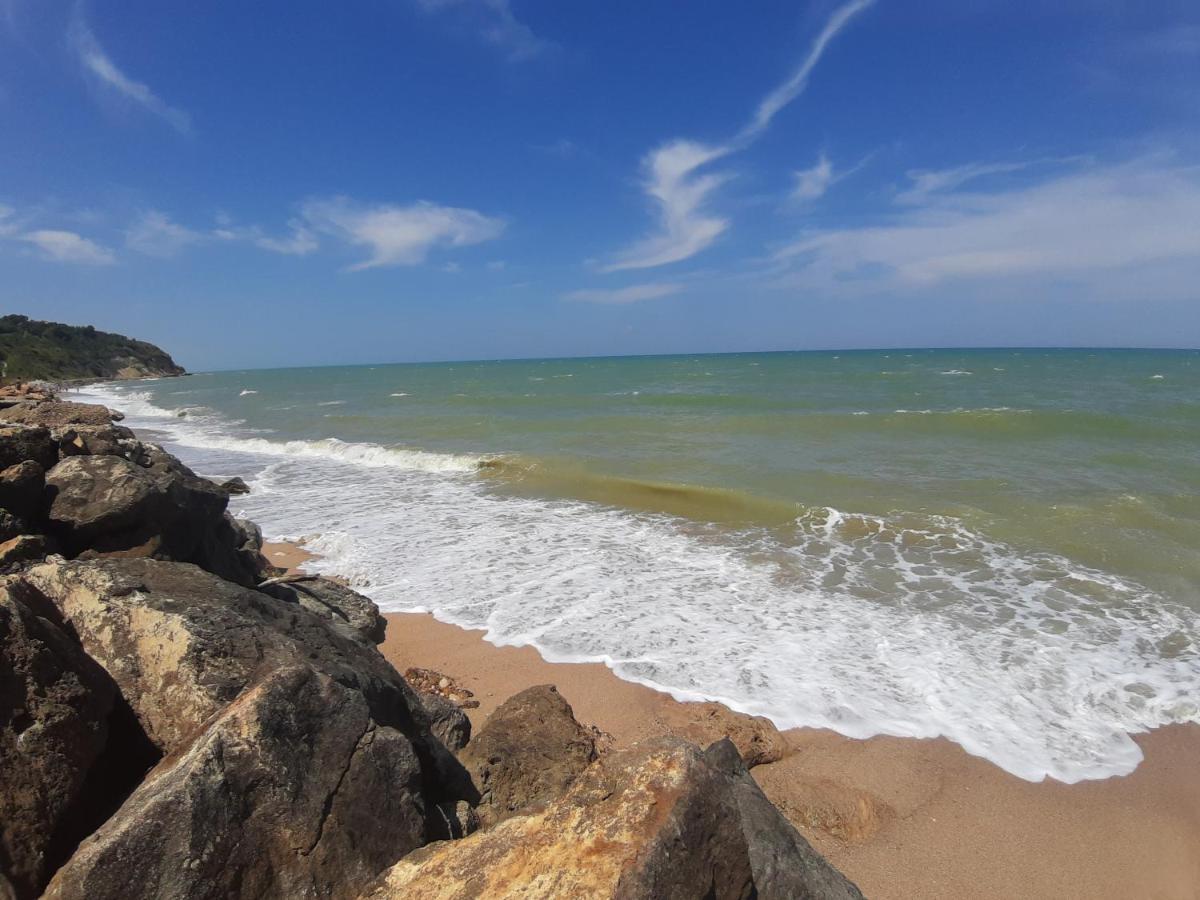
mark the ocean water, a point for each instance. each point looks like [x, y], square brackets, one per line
[997, 547]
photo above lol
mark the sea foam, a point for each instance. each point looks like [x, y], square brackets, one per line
[910, 625]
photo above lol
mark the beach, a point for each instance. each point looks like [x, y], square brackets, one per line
[902, 818]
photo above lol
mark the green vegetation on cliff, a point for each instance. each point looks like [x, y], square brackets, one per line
[50, 351]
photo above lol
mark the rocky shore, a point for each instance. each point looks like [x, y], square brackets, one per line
[179, 718]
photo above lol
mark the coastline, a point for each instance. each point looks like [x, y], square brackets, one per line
[902, 817]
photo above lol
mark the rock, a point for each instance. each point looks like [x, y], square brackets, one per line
[757, 739]
[97, 440]
[427, 681]
[11, 526]
[155, 507]
[21, 489]
[182, 644]
[292, 791]
[59, 412]
[54, 708]
[662, 821]
[22, 548]
[348, 611]
[530, 750]
[449, 723]
[234, 485]
[18, 443]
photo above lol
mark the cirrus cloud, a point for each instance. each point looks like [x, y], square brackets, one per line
[68, 247]
[632, 294]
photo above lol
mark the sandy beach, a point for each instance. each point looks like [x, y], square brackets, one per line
[903, 818]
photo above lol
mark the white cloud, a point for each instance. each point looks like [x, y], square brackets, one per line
[68, 247]
[399, 235]
[1090, 226]
[7, 227]
[631, 294]
[926, 182]
[104, 71]
[154, 234]
[496, 24]
[497, 265]
[679, 192]
[684, 227]
[812, 183]
[300, 242]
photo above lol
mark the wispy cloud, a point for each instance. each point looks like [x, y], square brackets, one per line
[926, 182]
[496, 23]
[680, 191]
[1086, 226]
[68, 247]
[104, 72]
[632, 294]
[154, 234]
[399, 235]
[812, 183]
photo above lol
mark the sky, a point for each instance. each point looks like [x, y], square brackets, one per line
[306, 183]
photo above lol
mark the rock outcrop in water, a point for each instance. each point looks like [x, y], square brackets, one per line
[177, 720]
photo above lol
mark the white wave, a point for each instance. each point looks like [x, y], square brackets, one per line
[1157, 377]
[331, 403]
[399, 394]
[957, 372]
[244, 393]
[904, 624]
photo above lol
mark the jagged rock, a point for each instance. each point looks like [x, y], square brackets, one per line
[347, 610]
[292, 791]
[181, 644]
[18, 443]
[756, 738]
[156, 507]
[234, 485]
[449, 723]
[59, 412]
[97, 440]
[663, 821]
[427, 681]
[529, 750]
[22, 548]
[54, 708]
[21, 489]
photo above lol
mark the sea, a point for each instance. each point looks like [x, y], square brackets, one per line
[997, 547]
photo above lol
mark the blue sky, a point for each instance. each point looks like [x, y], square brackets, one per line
[307, 183]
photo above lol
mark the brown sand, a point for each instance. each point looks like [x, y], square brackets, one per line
[903, 818]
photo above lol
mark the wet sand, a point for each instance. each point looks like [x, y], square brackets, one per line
[903, 818]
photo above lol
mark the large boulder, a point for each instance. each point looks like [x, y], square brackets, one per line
[59, 412]
[446, 720]
[22, 548]
[182, 644]
[293, 791]
[530, 750]
[346, 610]
[153, 507]
[662, 821]
[54, 709]
[18, 443]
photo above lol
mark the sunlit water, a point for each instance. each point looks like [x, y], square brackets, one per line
[998, 547]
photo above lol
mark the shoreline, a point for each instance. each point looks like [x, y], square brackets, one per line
[901, 817]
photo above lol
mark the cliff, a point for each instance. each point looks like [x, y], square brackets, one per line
[50, 351]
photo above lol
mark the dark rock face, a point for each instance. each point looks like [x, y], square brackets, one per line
[18, 444]
[663, 821]
[54, 709]
[293, 791]
[62, 412]
[347, 611]
[21, 488]
[530, 750]
[448, 722]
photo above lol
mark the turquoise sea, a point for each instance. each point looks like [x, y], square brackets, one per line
[1001, 547]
